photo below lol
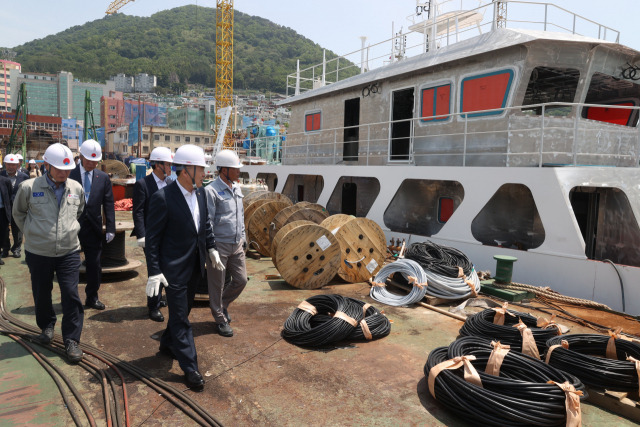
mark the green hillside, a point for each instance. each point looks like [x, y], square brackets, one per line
[176, 45]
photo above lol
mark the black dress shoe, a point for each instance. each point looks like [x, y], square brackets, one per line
[16, 254]
[74, 353]
[94, 304]
[46, 336]
[194, 380]
[224, 329]
[167, 352]
[156, 316]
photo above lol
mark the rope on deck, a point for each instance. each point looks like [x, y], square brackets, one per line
[547, 293]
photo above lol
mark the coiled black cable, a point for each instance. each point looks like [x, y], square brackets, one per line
[481, 325]
[586, 359]
[378, 324]
[519, 396]
[439, 259]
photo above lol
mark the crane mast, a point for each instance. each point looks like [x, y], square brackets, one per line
[224, 64]
[116, 5]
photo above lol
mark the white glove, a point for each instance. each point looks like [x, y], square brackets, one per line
[109, 237]
[215, 259]
[153, 284]
[141, 242]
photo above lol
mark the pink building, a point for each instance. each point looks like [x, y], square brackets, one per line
[6, 91]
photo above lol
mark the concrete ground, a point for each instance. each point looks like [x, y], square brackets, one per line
[252, 378]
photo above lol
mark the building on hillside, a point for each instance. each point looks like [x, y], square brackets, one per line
[142, 82]
[59, 94]
[5, 84]
[123, 142]
[123, 83]
[42, 131]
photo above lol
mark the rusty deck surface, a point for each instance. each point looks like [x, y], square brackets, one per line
[252, 378]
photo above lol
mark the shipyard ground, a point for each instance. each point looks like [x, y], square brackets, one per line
[252, 378]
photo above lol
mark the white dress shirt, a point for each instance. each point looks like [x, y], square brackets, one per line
[161, 183]
[192, 202]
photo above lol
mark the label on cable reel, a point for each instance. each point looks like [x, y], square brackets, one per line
[372, 265]
[323, 242]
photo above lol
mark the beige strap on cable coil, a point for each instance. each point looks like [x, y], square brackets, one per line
[496, 357]
[472, 285]
[378, 284]
[365, 330]
[529, 346]
[637, 366]
[309, 308]
[364, 309]
[611, 344]
[498, 319]
[460, 272]
[543, 323]
[414, 281]
[571, 403]
[564, 344]
[470, 373]
[344, 316]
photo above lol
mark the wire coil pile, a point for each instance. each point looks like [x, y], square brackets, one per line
[520, 395]
[411, 271]
[481, 325]
[449, 272]
[585, 356]
[326, 319]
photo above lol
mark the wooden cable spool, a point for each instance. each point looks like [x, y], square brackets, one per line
[363, 249]
[336, 221]
[308, 214]
[270, 195]
[308, 256]
[258, 225]
[281, 218]
[252, 197]
[315, 206]
[280, 235]
[249, 210]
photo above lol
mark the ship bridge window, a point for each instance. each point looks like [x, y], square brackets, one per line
[488, 91]
[607, 223]
[353, 195]
[312, 121]
[510, 219]
[303, 188]
[608, 90]
[435, 102]
[416, 208]
[548, 85]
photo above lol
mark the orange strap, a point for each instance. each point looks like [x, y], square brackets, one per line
[571, 403]
[611, 344]
[471, 285]
[529, 346]
[470, 373]
[309, 308]
[637, 366]
[364, 309]
[365, 329]
[498, 319]
[543, 323]
[496, 357]
[460, 272]
[564, 344]
[344, 316]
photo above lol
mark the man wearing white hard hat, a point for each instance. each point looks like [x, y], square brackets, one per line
[12, 171]
[226, 214]
[47, 209]
[179, 242]
[98, 198]
[144, 188]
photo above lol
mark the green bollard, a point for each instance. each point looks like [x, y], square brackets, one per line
[504, 268]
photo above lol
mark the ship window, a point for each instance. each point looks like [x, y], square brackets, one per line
[303, 188]
[312, 121]
[608, 90]
[436, 101]
[415, 208]
[548, 85]
[353, 195]
[607, 223]
[510, 219]
[485, 92]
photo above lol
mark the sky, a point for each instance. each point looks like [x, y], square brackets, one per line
[335, 25]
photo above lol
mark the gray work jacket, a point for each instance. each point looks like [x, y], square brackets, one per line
[226, 211]
[49, 230]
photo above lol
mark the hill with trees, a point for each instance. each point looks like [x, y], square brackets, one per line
[177, 45]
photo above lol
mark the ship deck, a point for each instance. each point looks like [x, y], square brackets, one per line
[253, 378]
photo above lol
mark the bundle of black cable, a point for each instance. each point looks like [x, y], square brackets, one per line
[481, 325]
[586, 359]
[377, 323]
[308, 330]
[442, 260]
[519, 396]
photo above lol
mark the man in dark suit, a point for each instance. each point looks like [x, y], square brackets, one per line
[160, 160]
[5, 209]
[16, 177]
[178, 238]
[98, 196]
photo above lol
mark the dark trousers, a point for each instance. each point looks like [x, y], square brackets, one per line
[178, 336]
[67, 269]
[92, 248]
[153, 303]
[17, 239]
[4, 226]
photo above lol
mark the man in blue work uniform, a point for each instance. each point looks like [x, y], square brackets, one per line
[178, 240]
[47, 209]
[144, 188]
[226, 214]
[12, 171]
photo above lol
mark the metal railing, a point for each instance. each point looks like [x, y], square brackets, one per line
[521, 15]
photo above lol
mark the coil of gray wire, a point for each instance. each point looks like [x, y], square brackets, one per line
[449, 288]
[411, 271]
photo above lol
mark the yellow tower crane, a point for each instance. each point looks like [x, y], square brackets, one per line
[116, 5]
[224, 64]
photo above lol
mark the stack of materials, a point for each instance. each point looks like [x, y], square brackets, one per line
[411, 271]
[326, 319]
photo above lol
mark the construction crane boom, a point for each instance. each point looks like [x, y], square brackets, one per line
[116, 5]
[224, 65]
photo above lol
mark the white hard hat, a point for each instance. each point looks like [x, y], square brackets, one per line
[189, 155]
[33, 162]
[227, 159]
[59, 156]
[90, 150]
[11, 159]
[19, 156]
[161, 154]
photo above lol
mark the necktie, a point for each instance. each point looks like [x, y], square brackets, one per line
[87, 186]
